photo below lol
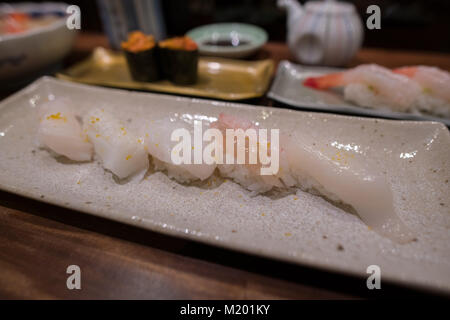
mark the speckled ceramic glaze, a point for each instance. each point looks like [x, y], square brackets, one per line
[299, 228]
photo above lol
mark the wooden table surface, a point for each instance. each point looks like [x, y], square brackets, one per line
[39, 241]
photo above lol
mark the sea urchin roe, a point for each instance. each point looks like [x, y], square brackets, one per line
[138, 41]
[179, 43]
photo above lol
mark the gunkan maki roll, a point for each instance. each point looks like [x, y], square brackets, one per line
[179, 59]
[141, 53]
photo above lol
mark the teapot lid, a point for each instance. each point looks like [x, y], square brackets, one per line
[330, 7]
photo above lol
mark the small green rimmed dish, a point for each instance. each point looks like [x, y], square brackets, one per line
[231, 40]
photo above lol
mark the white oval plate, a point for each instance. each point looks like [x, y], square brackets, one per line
[299, 228]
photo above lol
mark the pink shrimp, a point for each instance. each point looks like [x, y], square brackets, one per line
[377, 85]
[370, 74]
[433, 80]
[325, 82]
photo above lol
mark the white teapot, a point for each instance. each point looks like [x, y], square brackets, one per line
[323, 32]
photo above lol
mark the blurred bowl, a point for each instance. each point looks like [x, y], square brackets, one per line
[31, 51]
[231, 40]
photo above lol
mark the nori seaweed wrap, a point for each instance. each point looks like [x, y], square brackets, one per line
[179, 60]
[141, 53]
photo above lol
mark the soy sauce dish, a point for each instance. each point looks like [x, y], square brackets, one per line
[232, 40]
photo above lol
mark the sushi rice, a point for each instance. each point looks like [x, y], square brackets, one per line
[343, 176]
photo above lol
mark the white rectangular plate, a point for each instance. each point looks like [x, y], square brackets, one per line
[288, 88]
[299, 228]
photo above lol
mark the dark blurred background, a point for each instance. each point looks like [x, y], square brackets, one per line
[406, 24]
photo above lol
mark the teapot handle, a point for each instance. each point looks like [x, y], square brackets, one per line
[293, 5]
[294, 11]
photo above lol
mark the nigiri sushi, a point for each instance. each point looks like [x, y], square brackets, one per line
[339, 175]
[156, 135]
[249, 175]
[60, 131]
[371, 86]
[120, 151]
[435, 84]
[343, 175]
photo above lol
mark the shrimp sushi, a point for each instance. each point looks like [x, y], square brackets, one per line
[60, 131]
[120, 151]
[156, 135]
[371, 86]
[435, 84]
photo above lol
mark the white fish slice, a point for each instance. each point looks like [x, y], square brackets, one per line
[346, 176]
[157, 139]
[336, 172]
[120, 151]
[60, 131]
